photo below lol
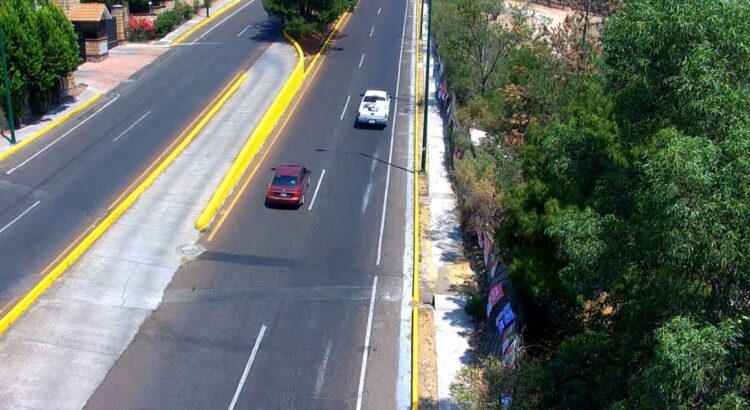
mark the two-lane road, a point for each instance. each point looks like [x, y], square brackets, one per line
[299, 308]
[56, 187]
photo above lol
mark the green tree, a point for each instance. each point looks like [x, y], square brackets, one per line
[24, 51]
[694, 366]
[680, 62]
[303, 17]
[471, 39]
[59, 47]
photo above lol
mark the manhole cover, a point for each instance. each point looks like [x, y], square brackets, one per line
[190, 250]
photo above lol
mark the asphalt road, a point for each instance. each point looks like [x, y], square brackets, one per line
[275, 313]
[50, 196]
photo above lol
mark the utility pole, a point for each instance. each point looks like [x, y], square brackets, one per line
[8, 100]
[426, 86]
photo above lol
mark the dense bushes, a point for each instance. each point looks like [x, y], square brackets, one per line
[624, 218]
[42, 49]
[142, 29]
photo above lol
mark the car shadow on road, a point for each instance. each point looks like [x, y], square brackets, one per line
[362, 154]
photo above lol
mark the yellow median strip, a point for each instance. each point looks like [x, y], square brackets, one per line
[50, 126]
[198, 26]
[112, 217]
[261, 132]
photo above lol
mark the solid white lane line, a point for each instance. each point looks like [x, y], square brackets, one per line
[371, 30]
[361, 60]
[243, 31]
[12, 170]
[19, 216]
[222, 21]
[315, 194]
[367, 344]
[393, 130]
[343, 112]
[131, 127]
[322, 369]
[379, 10]
[247, 368]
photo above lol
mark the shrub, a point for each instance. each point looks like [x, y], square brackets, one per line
[475, 308]
[141, 29]
[184, 11]
[165, 23]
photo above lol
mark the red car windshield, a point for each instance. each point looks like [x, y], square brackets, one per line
[285, 181]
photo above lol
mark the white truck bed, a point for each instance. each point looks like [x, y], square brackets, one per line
[374, 107]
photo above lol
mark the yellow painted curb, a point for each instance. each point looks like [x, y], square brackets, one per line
[53, 124]
[198, 26]
[110, 219]
[263, 129]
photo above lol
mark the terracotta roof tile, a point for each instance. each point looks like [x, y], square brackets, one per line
[89, 12]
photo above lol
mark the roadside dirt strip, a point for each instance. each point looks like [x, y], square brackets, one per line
[69, 338]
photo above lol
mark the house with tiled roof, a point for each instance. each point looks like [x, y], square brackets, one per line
[98, 30]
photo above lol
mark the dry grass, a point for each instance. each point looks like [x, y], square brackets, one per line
[428, 397]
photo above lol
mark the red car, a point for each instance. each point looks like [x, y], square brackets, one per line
[288, 185]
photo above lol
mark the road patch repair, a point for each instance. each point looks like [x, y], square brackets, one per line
[57, 353]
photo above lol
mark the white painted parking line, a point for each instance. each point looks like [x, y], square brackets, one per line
[361, 60]
[131, 127]
[19, 216]
[393, 130]
[247, 367]
[315, 194]
[343, 112]
[222, 21]
[379, 10]
[12, 170]
[243, 31]
[371, 30]
[367, 344]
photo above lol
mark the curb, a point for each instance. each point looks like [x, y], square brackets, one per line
[264, 128]
[200, 25]
[50, 126]
[417, 232]
[112, 217]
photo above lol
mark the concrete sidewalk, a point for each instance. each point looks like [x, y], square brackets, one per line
[167, 40]
[453, 327]
[58, 352]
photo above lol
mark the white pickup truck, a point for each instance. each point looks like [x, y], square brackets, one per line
[374, 108]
